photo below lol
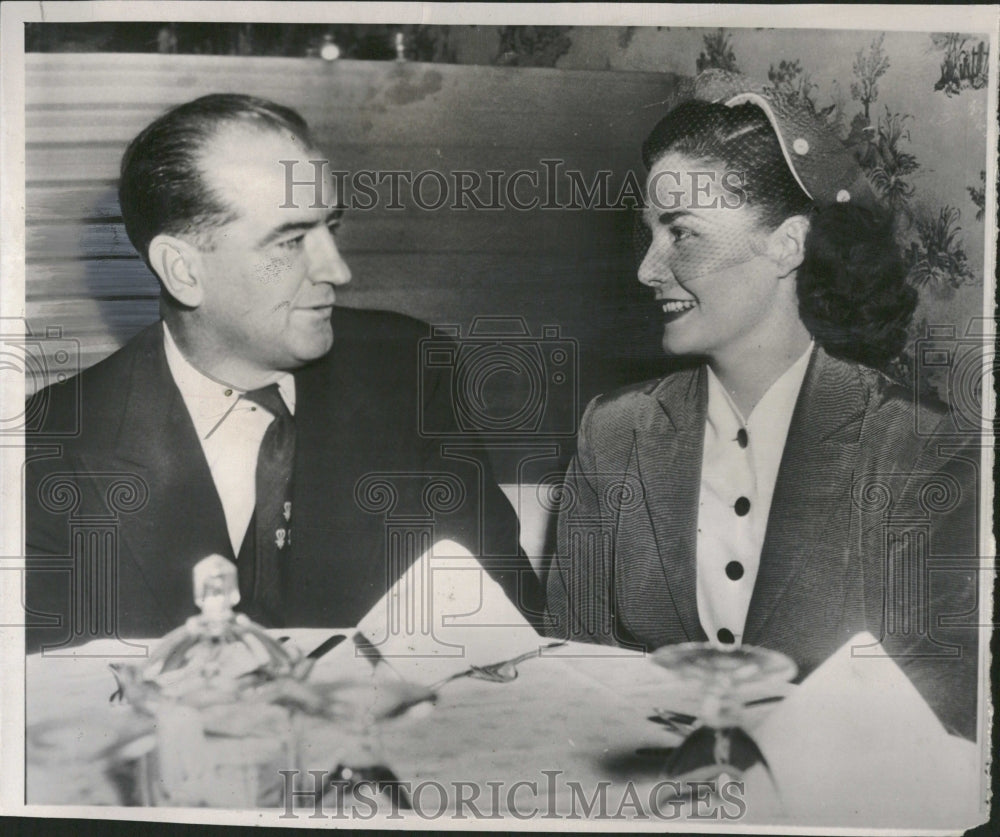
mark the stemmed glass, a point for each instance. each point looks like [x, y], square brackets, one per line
[727, 678]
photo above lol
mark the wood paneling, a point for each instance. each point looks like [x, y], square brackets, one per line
[51, 163]
[550, 267]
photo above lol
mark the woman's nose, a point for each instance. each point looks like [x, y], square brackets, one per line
[654, 270]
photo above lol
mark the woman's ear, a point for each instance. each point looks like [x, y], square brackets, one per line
[177, 264]
[787, 244]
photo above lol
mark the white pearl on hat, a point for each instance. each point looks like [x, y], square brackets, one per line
[843, 196]
[800, 146]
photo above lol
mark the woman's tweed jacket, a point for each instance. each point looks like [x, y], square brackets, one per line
[873, 526]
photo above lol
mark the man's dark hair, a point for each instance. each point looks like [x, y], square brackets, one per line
[162, 187]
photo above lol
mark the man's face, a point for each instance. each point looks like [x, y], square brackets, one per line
[268, 276]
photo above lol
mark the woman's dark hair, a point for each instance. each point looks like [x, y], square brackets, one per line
[162, 187]
[852, 289]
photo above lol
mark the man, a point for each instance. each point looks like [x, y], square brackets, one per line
[256, 420]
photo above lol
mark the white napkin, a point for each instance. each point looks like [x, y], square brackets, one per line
[856, 745]
[444, 614]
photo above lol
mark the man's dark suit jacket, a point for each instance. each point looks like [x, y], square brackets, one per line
[873, 526]
[367, 488]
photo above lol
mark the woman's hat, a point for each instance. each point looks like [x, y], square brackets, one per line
[823, 167]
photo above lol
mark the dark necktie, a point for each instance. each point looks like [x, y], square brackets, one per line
[269, 537]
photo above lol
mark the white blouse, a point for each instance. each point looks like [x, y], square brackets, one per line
[739, 468]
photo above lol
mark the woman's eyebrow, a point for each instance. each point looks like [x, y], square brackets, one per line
[672, 215]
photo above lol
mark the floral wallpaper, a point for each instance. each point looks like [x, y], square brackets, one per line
[913, 109]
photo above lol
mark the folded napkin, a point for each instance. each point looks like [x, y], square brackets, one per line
[442, 615]
[856, 745]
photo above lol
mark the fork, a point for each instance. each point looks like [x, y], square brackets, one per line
[501, 672]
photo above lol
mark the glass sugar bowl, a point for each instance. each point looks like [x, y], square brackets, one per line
[226, 700]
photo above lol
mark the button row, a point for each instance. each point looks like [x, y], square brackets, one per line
[734, 569]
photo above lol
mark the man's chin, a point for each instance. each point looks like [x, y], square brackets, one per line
[305, 351]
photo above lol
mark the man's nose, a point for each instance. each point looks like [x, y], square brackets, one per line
[325, 262]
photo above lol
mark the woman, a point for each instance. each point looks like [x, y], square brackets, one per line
[776, 491]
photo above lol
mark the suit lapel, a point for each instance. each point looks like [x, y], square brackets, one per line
[343, 430]
[156, 440]
[816, 471]
[339, 423]
[668, 457]
[319, 433]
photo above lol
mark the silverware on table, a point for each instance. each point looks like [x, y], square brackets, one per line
[679, 722]
[326, 646]
[501, 672]
[372, 654]
[684, 723]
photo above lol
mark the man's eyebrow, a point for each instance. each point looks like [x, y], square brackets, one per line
[332, 217]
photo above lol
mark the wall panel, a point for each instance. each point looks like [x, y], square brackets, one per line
[551, 267]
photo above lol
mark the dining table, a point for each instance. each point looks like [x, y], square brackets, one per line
[578, 730]
[582, 732]
[444, 705]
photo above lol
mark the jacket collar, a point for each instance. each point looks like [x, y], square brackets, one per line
[683, 398]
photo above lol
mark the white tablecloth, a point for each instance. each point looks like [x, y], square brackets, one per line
[574, 722]
[574, 711]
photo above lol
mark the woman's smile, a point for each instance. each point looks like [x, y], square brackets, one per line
[677, 306]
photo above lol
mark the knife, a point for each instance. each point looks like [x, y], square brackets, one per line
[327, 645]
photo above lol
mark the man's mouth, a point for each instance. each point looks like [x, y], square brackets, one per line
[319, 307]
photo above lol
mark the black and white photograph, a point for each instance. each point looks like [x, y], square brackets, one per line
[498, 416]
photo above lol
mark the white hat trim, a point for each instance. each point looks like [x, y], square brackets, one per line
[765, 106]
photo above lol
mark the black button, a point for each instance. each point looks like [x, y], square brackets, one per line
[742, 506]
[734, 569]
[726, 636]
[741, 437]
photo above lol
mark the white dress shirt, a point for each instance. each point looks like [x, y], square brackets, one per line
[739, 468]
[230, 430]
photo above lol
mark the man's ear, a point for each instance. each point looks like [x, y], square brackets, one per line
[178, 265]
[787, 244]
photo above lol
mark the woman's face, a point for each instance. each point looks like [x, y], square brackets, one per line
[708, 262]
